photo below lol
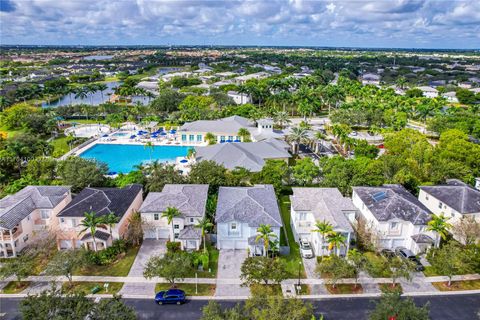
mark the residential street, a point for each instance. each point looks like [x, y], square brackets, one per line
[458, 307]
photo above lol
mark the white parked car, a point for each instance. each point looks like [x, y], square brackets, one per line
[306, 249]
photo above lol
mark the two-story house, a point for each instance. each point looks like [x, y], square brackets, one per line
[29, 213]
[311, 205]
[190, 200]
[454, 200]
[397, 217]
[122, 202]
[241, 211]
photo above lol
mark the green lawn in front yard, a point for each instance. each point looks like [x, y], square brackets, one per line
[213, 264]
[430, 272]
[457, 285]
[293, 260]
[119, 268]
[86, 287]
[204, 289]
[15, 287]
[376, 265]
[344, 288]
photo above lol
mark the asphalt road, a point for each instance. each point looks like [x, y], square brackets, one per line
[454, 307]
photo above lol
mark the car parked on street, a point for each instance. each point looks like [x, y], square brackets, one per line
[408, 255]
[170, 296]
[306, 249]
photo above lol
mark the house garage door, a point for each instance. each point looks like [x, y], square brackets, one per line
[398, 243]
[150, 233]
[227, 244]
[241, 244]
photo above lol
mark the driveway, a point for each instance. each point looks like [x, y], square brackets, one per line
[149, 248]
[229, 264]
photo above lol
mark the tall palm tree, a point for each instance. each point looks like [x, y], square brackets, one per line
[335, 241]
[244, 134]
[110, 220]
[170, 213]
[298, 135]
[150, 147]
[265, 233]
[204, 224]
[81, 93]
[440, 226]
[210, 138]
[102, 87]
[90, 223]
[324, 228]
[281, 118]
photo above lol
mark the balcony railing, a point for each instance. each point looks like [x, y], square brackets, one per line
[15, 234]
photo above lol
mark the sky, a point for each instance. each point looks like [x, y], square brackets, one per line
[383, 23]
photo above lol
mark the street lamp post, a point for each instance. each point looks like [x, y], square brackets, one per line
[299, 287]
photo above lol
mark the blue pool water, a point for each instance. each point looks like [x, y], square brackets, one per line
[122, 158]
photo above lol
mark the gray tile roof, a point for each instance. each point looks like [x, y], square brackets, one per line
[393, 202]
[457, 195]
[326, 204]
[227, 125]
[15, 208]
[99, 234]
[102, 201]
[422, 238]
[253, 205]
[190, 232]
[248, 155]
[190, 199]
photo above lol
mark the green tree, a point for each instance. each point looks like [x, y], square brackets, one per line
[195, 107]
[265, 233]
[135, 229]
[80, 173]
[20, 267]
[440, 226]
[450, 260]
[324, 228]
[466, 96]
[172, 266]
[274, 172]
[113, 309]
[305, 171]
[210, 138]
[151, 147]
[65, 262]
[262, 270]
[263, 307]
[90, 223]
[392, 306]
[159, 174]
[357, 261]
[244, 134]
[110, 220]
[298, 135]
[334, 268]
[335, 241]
[204, 224]
[400, 268]
[171, 213]
[209, 172]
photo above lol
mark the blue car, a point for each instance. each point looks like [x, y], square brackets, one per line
[170, 296]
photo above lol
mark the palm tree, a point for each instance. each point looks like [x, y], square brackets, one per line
[110, 220]
[210, 138]
[324, 228]
[170, 213]
[265, 233]
[281, 118]
[81, 93]
[150, 147]
[319, 136]
[440, 226]
[90, 223]
[298, 135]
[91, 89]
[335, 241]
[102, 87]
[204, 224]
[244, 134]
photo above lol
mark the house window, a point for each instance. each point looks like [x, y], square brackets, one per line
[62, 220]
[394, 225]
[28, 218]
[191, 220]
[237, 138]
[176, 226]
[25, 238]
[175, 235]
[74, 223]
[156, 216]
[302, 216]
[45, 214]
[15, 243]
[440, 205]
[184, 137]
[426, 197]
[191, 137]
[222, 138]
[230, 138]
[199, 137]
[233, 226]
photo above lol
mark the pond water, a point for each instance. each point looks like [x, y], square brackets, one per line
[95, 98]
[97, 57]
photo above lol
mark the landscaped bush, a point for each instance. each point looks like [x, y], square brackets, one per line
[108, 255]
[376, 265]
[173, 246]
[200, 258]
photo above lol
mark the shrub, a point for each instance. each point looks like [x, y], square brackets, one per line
[200, 258]
[173, 246]
[108, 255]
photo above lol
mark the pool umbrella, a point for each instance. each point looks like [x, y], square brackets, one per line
[105, 135]
[173, 131]
[229, 141]
[183, 161]
[163, 133]
[133, 136]
[237, 140]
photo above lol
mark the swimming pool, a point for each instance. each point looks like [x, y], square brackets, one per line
[122, 158]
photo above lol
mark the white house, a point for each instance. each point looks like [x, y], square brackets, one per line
[396, 216]
[190, 200]
[27, 214]
[311, 205]
[241, 211]
[428, 91]
[239, 98]
[454, 200]
[370, 78]
[450, 96]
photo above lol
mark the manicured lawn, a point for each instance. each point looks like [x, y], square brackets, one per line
[344, 288]
[376, 265]
[15, 287]
[458, 285]
[387, 287]
[60, 145]
[430, 272]
[270, 289]
[119, 268]
[189, 288]
[293, 260]
[213, 264]
[85, 121]
[86, 287]
[10, 133]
